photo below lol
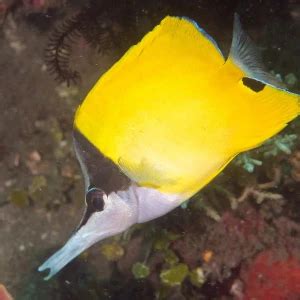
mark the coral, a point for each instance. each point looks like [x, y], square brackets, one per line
[101, 24]
[59, 49]
[281, 143]
[242, 236]
[4, 294]
[252, 189]
[244, 233]
[247, 162]
[272, 277]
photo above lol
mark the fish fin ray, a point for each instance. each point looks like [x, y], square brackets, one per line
[247, 56]
[203, 32]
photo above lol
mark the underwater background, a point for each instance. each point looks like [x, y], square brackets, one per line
[239, 238]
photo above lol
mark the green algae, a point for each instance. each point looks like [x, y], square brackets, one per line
[112, 251]
[140, 270]
[175, 275]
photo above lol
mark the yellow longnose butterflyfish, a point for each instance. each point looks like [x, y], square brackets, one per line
[164, 121]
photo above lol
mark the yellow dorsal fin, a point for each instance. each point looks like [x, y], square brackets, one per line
[176, 52]
[172, 45]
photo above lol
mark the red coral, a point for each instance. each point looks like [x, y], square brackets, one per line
[4, 294]
[272, 278]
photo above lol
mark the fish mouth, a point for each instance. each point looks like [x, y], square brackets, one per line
[75, 246]
[118, 215]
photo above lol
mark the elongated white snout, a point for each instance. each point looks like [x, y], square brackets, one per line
[117, 216]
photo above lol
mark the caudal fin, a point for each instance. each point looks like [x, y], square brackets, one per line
[266, 106]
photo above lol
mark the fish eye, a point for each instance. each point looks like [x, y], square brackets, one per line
[254, 85]
[94, 199]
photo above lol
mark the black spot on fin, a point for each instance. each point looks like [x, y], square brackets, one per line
[247, 57]
[253, 84]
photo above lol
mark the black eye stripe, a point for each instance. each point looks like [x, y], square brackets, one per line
[254, 85]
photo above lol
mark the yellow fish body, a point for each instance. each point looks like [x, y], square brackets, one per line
[172, 113]
[164, 121]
